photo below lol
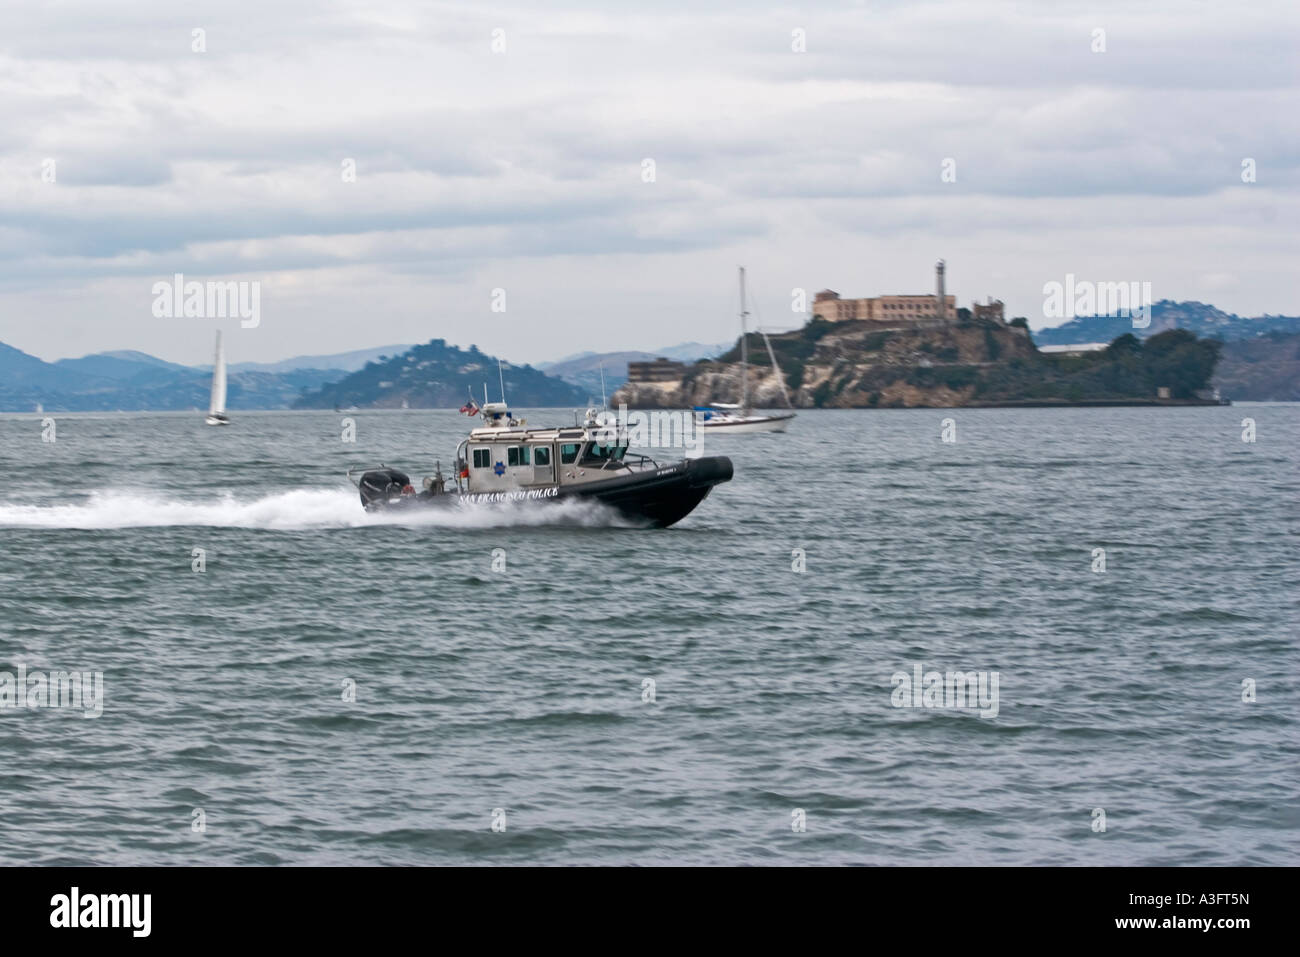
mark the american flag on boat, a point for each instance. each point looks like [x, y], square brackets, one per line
[469, 408]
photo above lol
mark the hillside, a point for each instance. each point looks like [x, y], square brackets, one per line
[584, 369]
[584, 372]
[134, 381]
[844, 364]
[1205, 321]
[436, 375]
[971, 363]
[1266, 369]
[343, 361]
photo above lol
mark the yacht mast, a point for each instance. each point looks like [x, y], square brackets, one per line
[744, 350]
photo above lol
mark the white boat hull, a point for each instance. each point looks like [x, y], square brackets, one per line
[753, 423]
[217, 420]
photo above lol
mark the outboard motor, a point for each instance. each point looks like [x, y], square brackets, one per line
[380, 486]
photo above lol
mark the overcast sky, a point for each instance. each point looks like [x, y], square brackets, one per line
[522, 170]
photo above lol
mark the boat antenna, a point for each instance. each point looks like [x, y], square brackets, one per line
[603, 401]
[502, 376]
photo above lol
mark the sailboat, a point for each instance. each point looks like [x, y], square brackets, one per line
[217, 404]
[723, 419]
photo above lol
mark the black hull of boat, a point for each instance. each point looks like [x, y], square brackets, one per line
[655, 497]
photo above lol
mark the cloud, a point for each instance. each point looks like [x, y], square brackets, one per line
[476, 168]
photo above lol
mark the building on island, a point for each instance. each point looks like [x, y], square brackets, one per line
[906, 308]
[661, 370]
[832, 308]
[992, 309]
[1075, 349]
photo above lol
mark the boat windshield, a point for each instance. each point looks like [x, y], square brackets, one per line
[596, 453]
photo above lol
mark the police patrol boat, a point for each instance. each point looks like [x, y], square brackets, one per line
[502, 461]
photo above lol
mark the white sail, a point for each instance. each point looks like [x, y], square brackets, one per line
[776, 370]
[217, 404]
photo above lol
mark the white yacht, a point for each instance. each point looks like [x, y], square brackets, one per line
[217, 403]
[727, 419]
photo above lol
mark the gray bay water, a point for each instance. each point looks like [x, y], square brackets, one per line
[523, 690]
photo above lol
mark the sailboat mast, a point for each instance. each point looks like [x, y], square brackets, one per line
[744, 349]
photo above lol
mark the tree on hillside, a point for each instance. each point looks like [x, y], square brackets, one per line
[1125, 345]
[1182, 362]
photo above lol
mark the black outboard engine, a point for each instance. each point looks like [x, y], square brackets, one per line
[380, 486]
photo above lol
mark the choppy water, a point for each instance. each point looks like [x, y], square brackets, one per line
[523, 690]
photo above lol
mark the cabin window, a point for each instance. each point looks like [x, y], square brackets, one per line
[568, 454]
[598, 454]
[482, 458]
[541, 455]
[517, 455]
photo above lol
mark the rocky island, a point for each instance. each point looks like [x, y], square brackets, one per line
[940, 364]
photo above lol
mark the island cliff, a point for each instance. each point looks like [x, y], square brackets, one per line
[979, 362]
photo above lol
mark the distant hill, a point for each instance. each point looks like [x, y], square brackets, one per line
[1205, 321]
[583, 370]
[436, 375]
[682, 352]
[1263, 369]
[692, 351]
[21, 374]
[136, 381]
[346, 361]
[1259, 362]
[124, 365]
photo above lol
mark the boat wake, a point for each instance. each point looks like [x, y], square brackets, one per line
[297, 509]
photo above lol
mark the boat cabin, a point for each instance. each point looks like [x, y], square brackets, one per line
[504, 456]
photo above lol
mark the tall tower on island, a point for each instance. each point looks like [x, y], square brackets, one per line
[940, 300]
